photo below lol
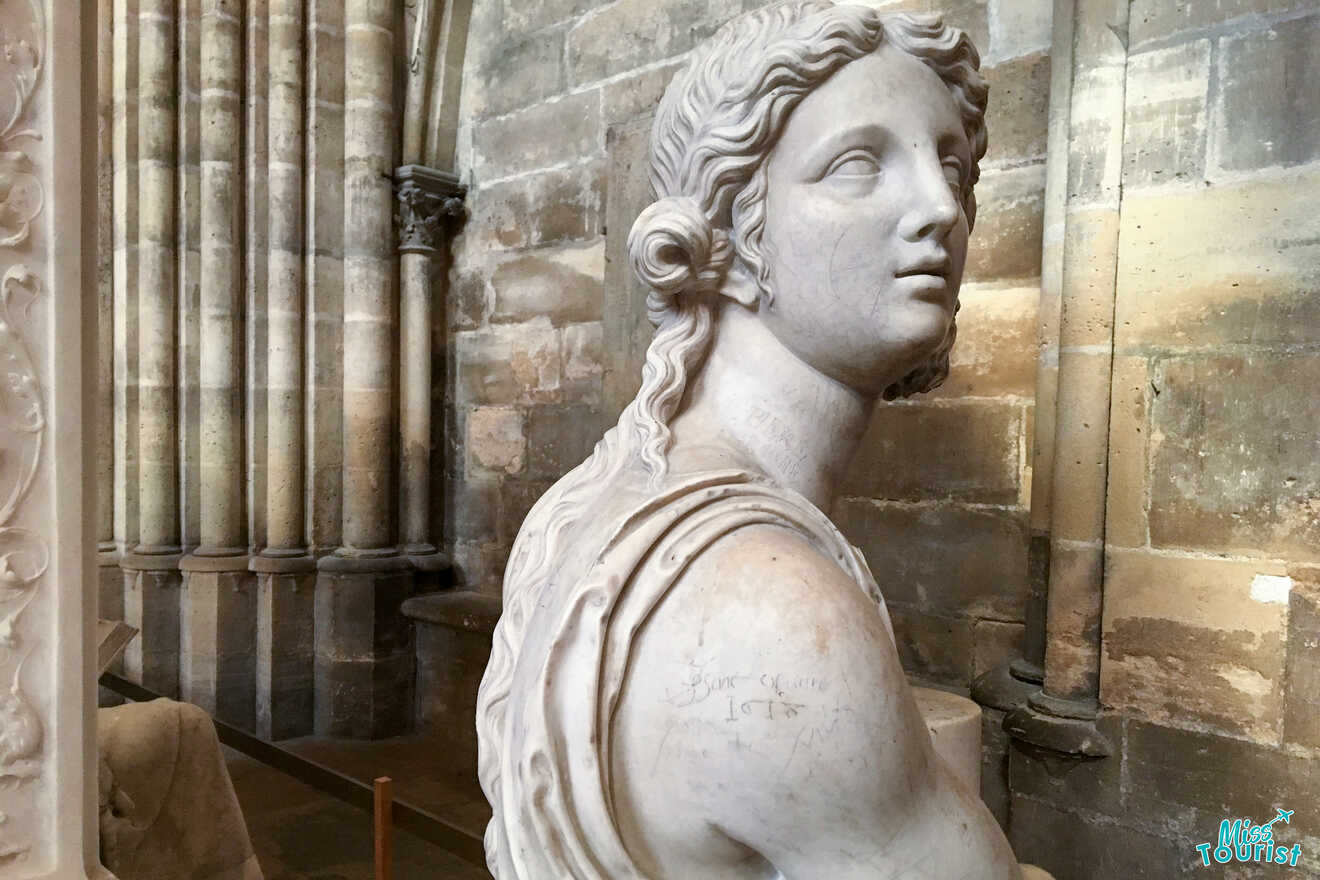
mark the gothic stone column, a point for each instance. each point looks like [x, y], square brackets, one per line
[218, 636]
[151, 598]
[285, 570]
[426, 199]
[364, 662]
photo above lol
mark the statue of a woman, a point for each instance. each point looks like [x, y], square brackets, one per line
[695, 675]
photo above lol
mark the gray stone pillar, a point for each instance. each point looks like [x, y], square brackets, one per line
[1081, 263]
[426, 199]
[285, 570]
[110, 579]
[219, 618]
[151, 601]
[364, 662]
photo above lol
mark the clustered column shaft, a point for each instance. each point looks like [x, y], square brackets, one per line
[219, 619]
[151, 596]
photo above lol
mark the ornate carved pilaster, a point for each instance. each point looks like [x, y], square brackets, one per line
[427, 200]
[48, 522]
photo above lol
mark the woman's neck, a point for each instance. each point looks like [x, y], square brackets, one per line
[755, 404]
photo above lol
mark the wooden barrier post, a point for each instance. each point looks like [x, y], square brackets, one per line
[384, 822]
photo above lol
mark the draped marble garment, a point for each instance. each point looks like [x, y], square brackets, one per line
[545, 747]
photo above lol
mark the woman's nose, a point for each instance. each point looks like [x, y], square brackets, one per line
[933, 208]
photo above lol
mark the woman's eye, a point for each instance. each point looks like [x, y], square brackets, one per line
[854, 165]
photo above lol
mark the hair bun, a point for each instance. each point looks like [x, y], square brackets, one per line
[674, 248]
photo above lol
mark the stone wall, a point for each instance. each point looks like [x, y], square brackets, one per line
[1212, 529]
[1208, 682]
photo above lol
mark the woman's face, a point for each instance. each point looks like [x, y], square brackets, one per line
[865, 235]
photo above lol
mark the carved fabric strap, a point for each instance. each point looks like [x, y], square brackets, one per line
[558, 818]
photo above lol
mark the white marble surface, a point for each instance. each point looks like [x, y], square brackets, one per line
[695, 674]
[47, 598]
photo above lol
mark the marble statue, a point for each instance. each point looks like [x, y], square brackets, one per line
[695, 674]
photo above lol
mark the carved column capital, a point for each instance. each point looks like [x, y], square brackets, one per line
[427, 198]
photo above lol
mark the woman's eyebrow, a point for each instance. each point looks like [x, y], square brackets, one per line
[826, 149]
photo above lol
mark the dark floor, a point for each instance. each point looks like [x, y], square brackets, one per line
[301, 834]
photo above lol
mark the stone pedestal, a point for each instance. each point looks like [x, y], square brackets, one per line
[285, 669]
[152, 601]
[218, 637]
[954, 723]
[364, 650]
[453, 634]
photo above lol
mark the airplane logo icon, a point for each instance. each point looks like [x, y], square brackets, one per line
[1285, 815]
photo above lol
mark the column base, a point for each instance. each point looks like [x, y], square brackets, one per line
[364, 649]
[286, 643]
[1059, 725]
[110, 606]
[217, 656]
[152, 605]
[1003, 688]
[432, 566]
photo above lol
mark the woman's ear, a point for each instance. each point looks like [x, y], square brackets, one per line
[740, 286]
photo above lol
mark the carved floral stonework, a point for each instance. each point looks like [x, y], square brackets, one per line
[427, 199]
[24, 554]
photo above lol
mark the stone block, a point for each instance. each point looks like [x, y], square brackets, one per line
[583, 357]
[217, 647]
[559, 438]
[489, 28]
[1093, 848]
[285, 654]
[943, 558]
[152, 606]
[994, 765]
[1194, 640]
[507, 364]
[553, 132]
[467, 299]
[451, 660]
[995, 643]
[1301, 710]
[1164, 137]
[1151, 20]
[547, 208]
[631, 33]
[627, 331]
[1236, 467]
[564, 284]
[516, 500]
[496, 441]
[364, 699]
[524, 17]
[1129, 434]
[1006, 240]
[1067, 782]
[1266, 110]
[624, 100]
[524, 71]
[969, 15]
[1188, 781]
[1018, 115]
[996, 351]
[933, 647]
[357, 615]
[479, 565]
[1018, 27]
[967, 451]
[472, 508]
[1220, 265]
